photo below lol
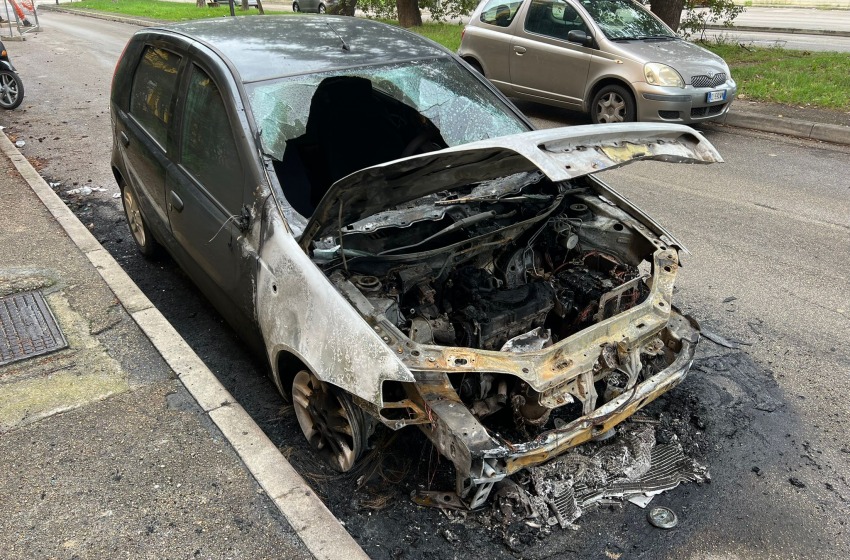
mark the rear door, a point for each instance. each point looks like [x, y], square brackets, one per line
[488, 39]
[144, 132]
[543, 63]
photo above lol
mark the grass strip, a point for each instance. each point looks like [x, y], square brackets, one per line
[157, 9]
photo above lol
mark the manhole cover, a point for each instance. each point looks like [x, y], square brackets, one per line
[27, 328]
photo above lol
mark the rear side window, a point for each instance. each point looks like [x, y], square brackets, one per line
[209, 150]
[499, 12]
[151, 99]
[553, 19]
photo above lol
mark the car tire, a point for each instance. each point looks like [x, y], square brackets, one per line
[295, 7]
[147, 245]
[334, 426]
[613, 104]
[322, 9]
[12, 89]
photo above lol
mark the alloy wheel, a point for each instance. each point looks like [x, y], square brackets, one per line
[332, 424]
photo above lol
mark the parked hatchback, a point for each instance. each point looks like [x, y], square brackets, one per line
[610, 58]
[316, 6]
[388, 230]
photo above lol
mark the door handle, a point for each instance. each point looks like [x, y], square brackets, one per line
[124, 139]
[175, 202]
[520, 50]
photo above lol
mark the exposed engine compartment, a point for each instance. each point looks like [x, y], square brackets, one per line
[514, 264]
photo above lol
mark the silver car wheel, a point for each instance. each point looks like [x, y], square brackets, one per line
[322, 9]
[613, 104]
[146, 243]
[331, 423]
[134, 218]
[611, 108]
[11, 90]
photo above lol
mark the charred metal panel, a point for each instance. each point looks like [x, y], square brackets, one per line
[301, 312]
[553, 367]
[561, 154]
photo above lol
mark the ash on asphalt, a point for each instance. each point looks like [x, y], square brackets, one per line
[728, 414]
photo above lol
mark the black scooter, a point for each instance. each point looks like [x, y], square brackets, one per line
[11, 86]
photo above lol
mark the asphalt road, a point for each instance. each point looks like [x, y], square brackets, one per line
[769, 231]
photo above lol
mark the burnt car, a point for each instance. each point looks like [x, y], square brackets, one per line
[390, 232]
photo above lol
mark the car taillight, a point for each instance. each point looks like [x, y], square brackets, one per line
[117, 64]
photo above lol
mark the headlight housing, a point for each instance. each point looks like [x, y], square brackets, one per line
[658, 74]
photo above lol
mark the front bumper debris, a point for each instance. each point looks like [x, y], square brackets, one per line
[481, 460]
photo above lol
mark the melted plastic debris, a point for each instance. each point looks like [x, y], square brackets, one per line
[628, 466]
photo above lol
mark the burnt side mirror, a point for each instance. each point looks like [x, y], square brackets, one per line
[580, 37]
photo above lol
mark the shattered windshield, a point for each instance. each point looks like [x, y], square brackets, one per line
[624, 20]
[450, 97]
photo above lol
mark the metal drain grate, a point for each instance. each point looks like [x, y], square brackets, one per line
[27, 328]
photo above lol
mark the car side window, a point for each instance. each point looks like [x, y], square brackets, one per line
[553, 19]
[499, 12]
[209, 151]
[152, 93]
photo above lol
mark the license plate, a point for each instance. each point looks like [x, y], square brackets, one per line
[713, 96]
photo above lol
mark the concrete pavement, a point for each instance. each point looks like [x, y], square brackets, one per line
[124, 443]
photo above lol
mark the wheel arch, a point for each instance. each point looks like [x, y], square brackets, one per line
[285, 365]
[474, 62]
[608, 81]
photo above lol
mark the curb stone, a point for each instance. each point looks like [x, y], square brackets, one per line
[833, 133]
[312, 521]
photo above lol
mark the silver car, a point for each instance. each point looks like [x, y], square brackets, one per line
[317, 6]
[610, 58]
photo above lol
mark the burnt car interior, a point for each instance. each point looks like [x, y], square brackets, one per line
[350, 126]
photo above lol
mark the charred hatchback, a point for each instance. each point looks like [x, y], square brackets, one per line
[396, 239]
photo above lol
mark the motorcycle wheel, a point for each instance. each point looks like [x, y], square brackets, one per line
[11, 89]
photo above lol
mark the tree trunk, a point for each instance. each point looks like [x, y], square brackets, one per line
[200, 3]
[670, 11]
[245, 5]
[408, 13]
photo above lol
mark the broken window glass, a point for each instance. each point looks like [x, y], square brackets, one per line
[459, 105]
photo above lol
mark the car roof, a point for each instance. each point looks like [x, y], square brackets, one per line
[267, 47]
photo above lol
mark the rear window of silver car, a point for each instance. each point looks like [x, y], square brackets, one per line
[499, 12]
[449, 96]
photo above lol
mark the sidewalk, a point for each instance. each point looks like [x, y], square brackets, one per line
[801, 20]
[123, 444]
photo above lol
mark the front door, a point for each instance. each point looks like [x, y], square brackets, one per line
[205, 193]
[544, 64]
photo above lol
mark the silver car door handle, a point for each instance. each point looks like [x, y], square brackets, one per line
[520, 50]
[175, 201]
[124, 139]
